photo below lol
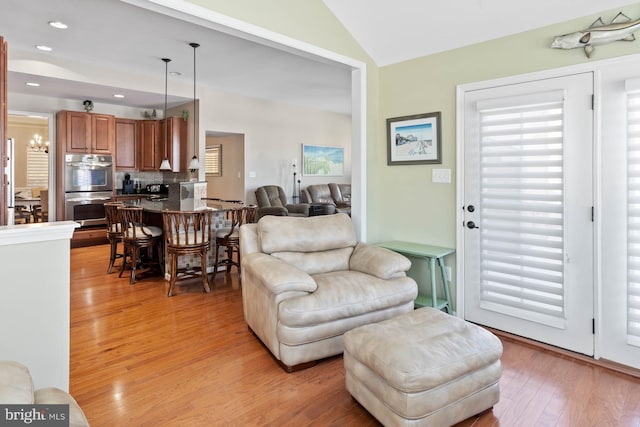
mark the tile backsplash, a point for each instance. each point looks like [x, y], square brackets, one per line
[147, 178]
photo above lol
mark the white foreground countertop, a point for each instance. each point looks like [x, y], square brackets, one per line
[38, 232]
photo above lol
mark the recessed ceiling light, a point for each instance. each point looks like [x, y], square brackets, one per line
[43, 47]
[118, 95]
[33, 84]
[58, 24]
[175, 73]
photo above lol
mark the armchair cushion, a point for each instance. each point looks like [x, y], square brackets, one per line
[278, 276]
[379, 262]
[344, 295]
[313, 234]
[314, 263]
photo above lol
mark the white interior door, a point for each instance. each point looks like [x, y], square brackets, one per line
[528, 200]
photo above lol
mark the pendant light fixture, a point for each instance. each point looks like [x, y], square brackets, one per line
[194, 165]
[165, 166]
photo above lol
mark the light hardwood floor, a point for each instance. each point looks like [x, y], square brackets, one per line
[139, 358]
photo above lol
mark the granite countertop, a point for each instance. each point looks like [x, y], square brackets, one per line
[159, 204]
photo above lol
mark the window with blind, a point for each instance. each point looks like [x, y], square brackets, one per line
[522, 214]
[633, 218]
[213, 160]
[37, 168]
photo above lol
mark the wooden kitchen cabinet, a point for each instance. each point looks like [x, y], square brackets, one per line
[126, 154]
[176, 143]
[81, 132]
[148, 133]
[151, 137]
[103, 128]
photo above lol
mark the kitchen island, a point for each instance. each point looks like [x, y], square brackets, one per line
[153, 206]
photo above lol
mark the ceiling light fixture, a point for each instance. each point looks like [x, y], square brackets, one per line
[44, 48]
[194, 165]
[165, 165]
[32, 84]
[36, 144]
[118, 95]
[58, 24]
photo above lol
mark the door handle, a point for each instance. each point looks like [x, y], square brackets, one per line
[471, 225]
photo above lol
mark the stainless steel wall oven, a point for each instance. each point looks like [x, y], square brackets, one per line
[88, 184]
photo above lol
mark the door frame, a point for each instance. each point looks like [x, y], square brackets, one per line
[52, 155]
[460, 175]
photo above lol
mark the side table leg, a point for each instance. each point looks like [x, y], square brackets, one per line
[432, 271]
[445, 285]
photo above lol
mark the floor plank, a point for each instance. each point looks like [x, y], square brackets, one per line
[139, 358]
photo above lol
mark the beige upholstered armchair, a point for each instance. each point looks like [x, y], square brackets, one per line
[307, 281]
[272, 201]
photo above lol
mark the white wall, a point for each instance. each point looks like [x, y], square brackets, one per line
[273, 136]
[34, 308]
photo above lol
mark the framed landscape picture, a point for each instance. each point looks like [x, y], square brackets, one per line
[414, 140]
[319, 160]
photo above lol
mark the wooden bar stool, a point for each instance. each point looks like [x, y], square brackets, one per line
[114, 231]
[230, 237]
[137, 236]
[187, 233]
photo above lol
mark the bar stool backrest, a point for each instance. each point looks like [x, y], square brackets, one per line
[187, 228]
[112, 214]
[131, 223]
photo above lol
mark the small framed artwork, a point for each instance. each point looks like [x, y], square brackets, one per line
[319, 160]
[414, 140]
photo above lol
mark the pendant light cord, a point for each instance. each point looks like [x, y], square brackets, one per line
[194, 46]
[166, 78]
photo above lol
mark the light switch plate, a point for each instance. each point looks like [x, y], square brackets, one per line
[441, 176]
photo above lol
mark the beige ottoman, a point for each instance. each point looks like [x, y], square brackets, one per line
[424, 368]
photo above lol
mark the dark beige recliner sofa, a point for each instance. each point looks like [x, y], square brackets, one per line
[307, 281]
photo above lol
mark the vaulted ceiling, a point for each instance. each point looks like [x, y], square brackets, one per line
[399, 30]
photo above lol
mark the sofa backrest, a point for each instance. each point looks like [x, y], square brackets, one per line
[341, 193]
[316, 244]
[320, 193]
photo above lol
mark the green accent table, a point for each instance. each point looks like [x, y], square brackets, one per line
[431, 254]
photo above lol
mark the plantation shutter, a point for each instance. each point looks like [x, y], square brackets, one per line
[212, 160]
[522, 209]
[633, 217]
[37, 168]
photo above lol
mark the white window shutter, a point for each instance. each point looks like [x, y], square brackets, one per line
[522, 207]
[633, 219]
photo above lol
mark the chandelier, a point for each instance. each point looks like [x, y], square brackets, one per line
[36, 144]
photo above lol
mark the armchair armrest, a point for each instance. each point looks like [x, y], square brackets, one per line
[379, 262]
[272, 210]
[276, 275]
[300, 208]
